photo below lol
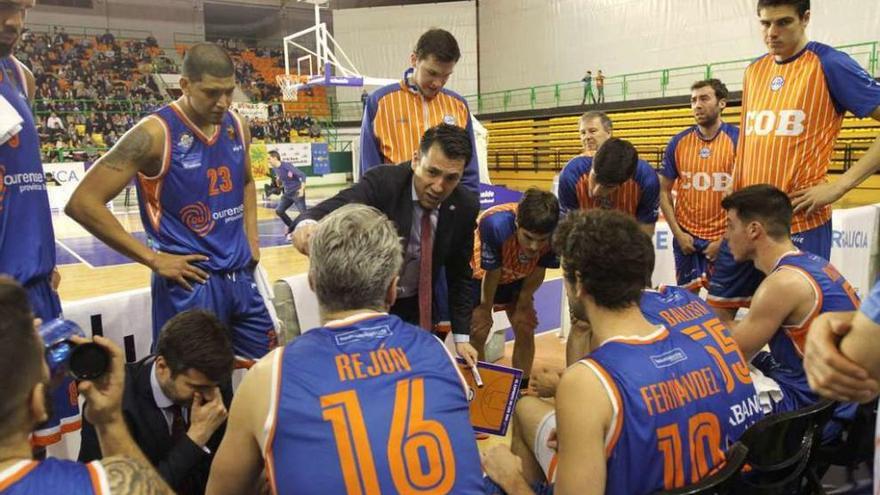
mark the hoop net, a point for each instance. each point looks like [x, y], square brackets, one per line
[289, 84]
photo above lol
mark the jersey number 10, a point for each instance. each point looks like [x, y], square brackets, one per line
[410, 435]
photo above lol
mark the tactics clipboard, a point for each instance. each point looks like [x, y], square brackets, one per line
[492, 405]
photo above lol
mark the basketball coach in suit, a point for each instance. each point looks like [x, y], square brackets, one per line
[175, 401]
[435, 218]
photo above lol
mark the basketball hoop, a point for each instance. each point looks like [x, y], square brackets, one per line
[289, 84]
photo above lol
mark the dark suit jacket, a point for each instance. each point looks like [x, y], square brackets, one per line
[184, 465]
[388, 188]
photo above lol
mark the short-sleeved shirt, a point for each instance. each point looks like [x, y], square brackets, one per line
[792, 112]
[701, 170]
[638, 196]
[496, 246]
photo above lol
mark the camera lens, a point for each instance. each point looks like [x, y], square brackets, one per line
[88, 361]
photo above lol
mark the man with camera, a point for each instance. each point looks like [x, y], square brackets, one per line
[175, 402]
[25, 384]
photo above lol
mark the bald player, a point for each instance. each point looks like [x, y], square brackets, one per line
[794, 100]
[197, 201]
[696, 167]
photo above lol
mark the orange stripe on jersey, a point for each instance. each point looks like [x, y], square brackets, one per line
[98, 480]
[788, 128]
[193, 127]
[704, 169]
[273, 419]
[617, 404]
[402, 116]
[798, 333]
[152, 186]
[16, 472]
[625, 198]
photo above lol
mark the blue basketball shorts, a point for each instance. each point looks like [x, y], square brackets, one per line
[233, 297]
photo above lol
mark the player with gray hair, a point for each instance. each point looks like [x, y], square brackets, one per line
[363, 371]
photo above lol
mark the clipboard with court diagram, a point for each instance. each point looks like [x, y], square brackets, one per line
[492, 404]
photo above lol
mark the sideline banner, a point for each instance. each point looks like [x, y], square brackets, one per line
[252, 111]
[62, 182]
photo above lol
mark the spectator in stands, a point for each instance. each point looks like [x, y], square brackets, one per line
[315, 129]
[54, 122]
[107, 38]
[175, 401]
[600, 86]
[588, 88]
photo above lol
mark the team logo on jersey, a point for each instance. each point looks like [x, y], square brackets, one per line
[185, 141]
[230, 132]
[449, 119]
[197, 217]
[776, 83]
[523, 258]
[705, 152]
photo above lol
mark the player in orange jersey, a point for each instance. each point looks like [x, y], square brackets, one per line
[697, 164]
[794, 100]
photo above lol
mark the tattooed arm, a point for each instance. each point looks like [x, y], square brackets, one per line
[140, 150]
[133, 477]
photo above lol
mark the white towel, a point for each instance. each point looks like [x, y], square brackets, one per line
[768, 390]
[261, 279]
[10, 120]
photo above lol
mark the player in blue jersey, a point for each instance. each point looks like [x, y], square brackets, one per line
[366, 403]
[25, 382]
[197, 201]
[798, 287]
[615, 178]
[661, 408]
[27, 239]
[511, 254]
